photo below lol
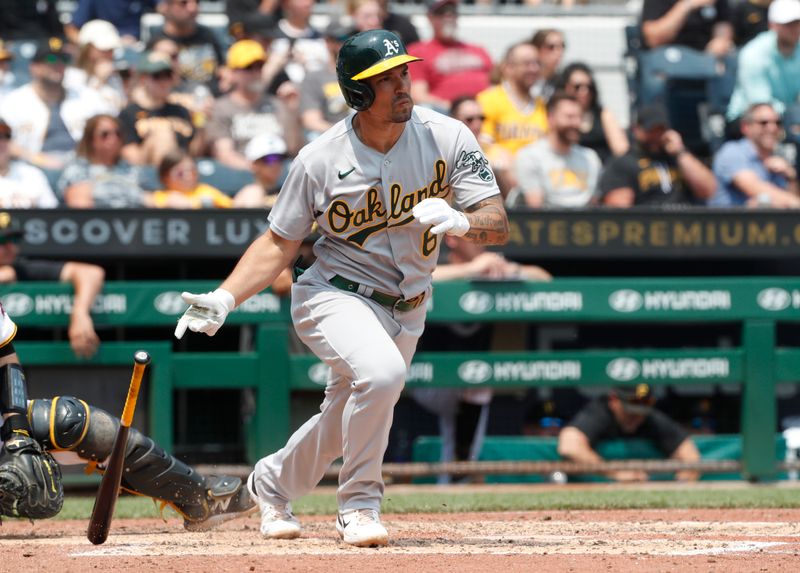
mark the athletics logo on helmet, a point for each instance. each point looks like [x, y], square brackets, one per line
[363, 56]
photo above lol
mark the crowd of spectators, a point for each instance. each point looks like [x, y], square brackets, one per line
[114, 122]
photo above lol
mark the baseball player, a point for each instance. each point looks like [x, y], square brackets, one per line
[74, 432]
[381, 186]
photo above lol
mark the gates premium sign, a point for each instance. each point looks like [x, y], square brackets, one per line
[696, 232]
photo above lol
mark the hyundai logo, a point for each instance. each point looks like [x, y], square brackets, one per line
[319, 373]
[475, 371]
[476, 302]
[623, 369]
[17, 304]
[774, 299]
[170, 303]
[625, 300]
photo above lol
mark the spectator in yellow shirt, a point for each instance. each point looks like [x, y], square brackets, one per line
[514, 118]
[182, 187]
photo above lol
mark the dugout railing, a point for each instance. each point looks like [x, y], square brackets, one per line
[755, 305]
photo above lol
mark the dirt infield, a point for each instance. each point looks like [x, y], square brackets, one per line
[647, 540]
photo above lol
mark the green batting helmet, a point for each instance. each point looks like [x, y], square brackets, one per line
[364, 55]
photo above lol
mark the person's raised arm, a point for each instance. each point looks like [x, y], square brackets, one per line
[87, 281]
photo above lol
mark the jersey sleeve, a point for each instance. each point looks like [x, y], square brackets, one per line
[292, 217]
[8, 330]
[471, 177]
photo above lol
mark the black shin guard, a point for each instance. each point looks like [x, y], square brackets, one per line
[68, 424]
[13, 399]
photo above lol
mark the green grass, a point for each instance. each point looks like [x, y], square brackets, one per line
[447, 501]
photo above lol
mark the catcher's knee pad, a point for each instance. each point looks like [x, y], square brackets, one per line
[60, 424]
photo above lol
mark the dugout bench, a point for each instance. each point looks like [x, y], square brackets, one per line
[756, 305]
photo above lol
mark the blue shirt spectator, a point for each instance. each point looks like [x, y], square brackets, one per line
[769, 65]
[749, 172]
[733, 158]
[126, 15]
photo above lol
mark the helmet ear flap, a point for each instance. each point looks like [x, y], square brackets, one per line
[358, 95]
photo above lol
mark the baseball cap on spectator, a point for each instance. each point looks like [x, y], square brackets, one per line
[265, 145]
[5, 53]
[100, 34]
[51, 52]
[153, 62]
[338, 31]
[256, 26]
[245, 53]
[652, 115]
[441, 6]
[784, 11]
[10, 229]
[637, 399]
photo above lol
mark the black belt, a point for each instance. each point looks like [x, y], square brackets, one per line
[394, 302]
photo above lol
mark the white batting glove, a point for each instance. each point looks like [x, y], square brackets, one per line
[207, 312]
[438, 212]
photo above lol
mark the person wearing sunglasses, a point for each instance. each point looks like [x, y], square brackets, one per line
[551, 46]
[267, 156]
[769, 65]
[468, 111]
[182, 187]
[46, 116]
[152, 126]
[248, 110]
[626, 412]
[99, 176]
[749, 171]
[600, 130]
[22, 186]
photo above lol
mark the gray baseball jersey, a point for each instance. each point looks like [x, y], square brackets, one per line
[362, 199]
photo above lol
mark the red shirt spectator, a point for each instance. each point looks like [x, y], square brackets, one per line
[450, 67]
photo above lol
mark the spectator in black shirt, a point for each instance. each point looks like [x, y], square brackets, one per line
[749, 19]
[700, 24]
[626, 413]
[30, 20]
[658, 171]
[151, 126]
[200, 51]
[86, 279]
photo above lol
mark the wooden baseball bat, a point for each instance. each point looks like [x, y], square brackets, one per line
[106, 499]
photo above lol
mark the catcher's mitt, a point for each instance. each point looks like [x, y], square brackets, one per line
[30, 480]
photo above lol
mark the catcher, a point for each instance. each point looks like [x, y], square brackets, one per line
[32, 430]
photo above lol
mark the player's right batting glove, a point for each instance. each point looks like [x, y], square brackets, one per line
[437, 212]
[207, 312]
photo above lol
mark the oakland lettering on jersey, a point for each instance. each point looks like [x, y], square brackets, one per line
[342, 218]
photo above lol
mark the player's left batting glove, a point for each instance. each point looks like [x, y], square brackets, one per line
[438, 212]
[207, 312]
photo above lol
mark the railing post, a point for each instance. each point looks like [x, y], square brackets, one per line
[759, 405]
[162, 428]
[272, 414]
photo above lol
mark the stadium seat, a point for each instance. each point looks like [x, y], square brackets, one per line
[23, 51]
[226, 179]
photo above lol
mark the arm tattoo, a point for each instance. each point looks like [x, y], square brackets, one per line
[488, 223]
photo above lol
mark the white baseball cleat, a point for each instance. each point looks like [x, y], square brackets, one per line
[277, 521]
[362, 528]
